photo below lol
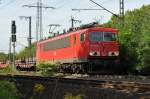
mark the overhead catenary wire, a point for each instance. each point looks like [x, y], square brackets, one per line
[85, 9]
[74, 13]
[104, 8]
[103, 2]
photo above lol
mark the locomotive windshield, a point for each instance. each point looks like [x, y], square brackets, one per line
[96, 36]
[108, 36]
[103, 36]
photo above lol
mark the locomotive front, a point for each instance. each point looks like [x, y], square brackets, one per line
[104, 47]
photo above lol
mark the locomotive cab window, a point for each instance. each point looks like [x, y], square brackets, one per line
[103, 36]
[96, 36]
[82, 37]
[109, 36]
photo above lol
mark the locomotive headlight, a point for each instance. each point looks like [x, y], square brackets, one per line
[94, 53]
[116, 53]
[113, 54]
[91, 53]
[110, 54]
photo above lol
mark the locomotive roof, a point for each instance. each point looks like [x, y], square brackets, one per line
[80, 30]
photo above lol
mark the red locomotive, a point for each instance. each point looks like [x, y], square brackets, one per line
[83, 50]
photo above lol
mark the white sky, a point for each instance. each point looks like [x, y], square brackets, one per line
[12, 9]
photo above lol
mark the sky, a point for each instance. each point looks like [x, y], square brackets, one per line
[12, 9]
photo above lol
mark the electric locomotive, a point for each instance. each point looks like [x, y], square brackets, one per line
[83, 50]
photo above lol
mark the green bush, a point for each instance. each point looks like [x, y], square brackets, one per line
[46, 68]
[8, 90]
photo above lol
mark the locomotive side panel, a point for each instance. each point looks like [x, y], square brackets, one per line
[56, 49]
[64, 49]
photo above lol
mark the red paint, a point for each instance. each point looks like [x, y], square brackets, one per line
[80, 49]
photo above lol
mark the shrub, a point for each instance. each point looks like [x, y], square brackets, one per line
[8, 90]
[46, 68]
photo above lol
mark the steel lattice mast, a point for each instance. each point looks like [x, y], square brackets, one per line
[122, 8]
[39, 24]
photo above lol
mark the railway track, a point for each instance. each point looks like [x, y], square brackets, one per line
[121, 83]
[129, 78]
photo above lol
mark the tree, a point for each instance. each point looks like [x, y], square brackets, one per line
[3, 57]
[134, 38]
[27, 52]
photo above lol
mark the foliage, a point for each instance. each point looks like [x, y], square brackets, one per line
[8, 90]
[39, 88]
[3, 57]
[27, 53]
[6, 70]
[134, 37]
[70, 96]
[46, 68]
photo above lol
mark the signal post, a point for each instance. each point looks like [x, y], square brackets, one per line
[13, 38]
